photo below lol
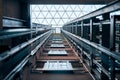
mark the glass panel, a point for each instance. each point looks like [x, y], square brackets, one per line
[58, 15]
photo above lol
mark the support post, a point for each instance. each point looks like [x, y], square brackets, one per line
[91, 30]
[112, 68]
[76, 28]
[81, 28]
[91, 59]
[72, 28]
[25, 14]
[1, 14]
[112, 34]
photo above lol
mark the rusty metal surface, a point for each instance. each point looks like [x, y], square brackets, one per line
[52, 67]
[58, 51]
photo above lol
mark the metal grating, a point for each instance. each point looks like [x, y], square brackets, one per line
[57, 52]
[58, 65]
[57, 45]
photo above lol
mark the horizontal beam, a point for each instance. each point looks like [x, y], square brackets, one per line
[114, 6]
[14, 19]
[26, 59]
[96, 46]
[5, 34]
[7, 54]
[69, 1]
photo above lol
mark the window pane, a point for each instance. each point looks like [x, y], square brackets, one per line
[58, 15]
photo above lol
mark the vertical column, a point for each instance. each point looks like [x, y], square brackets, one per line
[72, 28]
[1, 13]
[106, 43]
[81, 28]
[91, 30]
[76, 28]
[106, 35]
[112, 47]
[96, 31]
[91, 50]
[106, 31]
[112, 68]
[112, 33]
[91, 59]
[25, 13]
[105, 64]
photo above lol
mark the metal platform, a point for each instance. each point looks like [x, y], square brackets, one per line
[57, 52]
[57, 58]
[57, 65]
[57, 46]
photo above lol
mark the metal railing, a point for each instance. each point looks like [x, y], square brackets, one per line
[15, 59]
[92, 51]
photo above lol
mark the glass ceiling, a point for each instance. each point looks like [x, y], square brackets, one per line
[58, 15]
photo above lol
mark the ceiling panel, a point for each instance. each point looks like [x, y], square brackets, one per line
[69, 1]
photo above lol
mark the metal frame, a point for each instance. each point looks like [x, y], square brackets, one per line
[112, 55]
[101, 55]
[114, 6]
[26, 59]
[24, 50]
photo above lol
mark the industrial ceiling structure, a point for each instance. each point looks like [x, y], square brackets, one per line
[79, 41]
[68, 1]
[58, 15]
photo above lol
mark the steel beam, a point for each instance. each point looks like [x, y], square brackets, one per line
[107, 65]
[25, 13]
[68, 1]
[114, 6]
[96, 46]
[21, 46]
[81, 29]
[1, 13]
[112, 34]
[91, 30]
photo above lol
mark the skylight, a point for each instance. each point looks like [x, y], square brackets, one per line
[57, 15]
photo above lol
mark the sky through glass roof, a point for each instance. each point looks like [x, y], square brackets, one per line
[58, 15]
